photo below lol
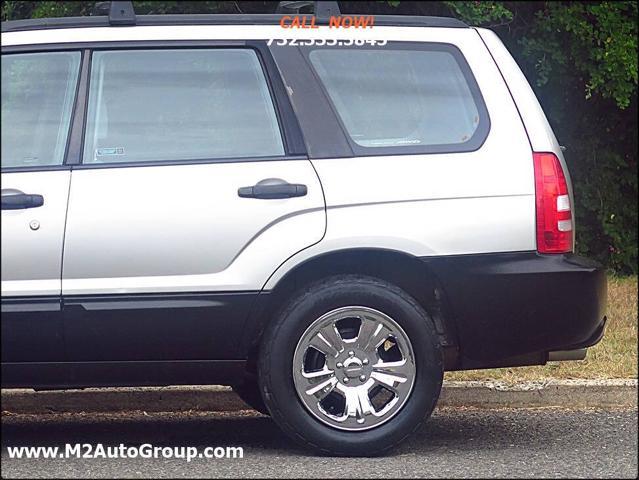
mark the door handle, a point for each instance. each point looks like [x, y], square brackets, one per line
[272, 188]
[13, 199]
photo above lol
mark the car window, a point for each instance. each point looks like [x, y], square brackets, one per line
[400, 98]
[164, 105]
[38, 92]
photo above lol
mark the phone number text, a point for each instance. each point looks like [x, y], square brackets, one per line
[319, 42]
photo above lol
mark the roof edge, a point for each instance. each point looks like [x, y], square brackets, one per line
[214, 19]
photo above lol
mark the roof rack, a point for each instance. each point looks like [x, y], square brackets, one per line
[121, 13]
[321, 10]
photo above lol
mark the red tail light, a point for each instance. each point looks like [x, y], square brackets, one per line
[554, 215]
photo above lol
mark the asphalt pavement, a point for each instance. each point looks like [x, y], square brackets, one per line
[455, 442]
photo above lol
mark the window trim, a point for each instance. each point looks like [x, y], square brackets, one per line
[73, 153]
[473, 144]
[290, 131]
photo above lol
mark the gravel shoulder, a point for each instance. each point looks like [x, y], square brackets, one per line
[487, 394]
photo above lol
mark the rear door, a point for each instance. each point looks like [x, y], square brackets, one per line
[430, 131]
[194, 187]
[38, 94]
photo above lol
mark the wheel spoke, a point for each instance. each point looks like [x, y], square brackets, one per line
[328, 341]
[358, 404]
[391, 374]
[322, 389]
[371, 335]
[314, 377]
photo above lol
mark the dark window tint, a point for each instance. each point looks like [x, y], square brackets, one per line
[154, 105]
[400, 99]
[38, 91]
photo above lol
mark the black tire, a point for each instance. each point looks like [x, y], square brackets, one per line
[249, 392]
[281, 338]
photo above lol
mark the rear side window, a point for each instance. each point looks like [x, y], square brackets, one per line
[38, 91]
[404, 98]
[180, 104]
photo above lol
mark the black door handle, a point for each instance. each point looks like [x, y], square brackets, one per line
[17, 200]
[272, 188]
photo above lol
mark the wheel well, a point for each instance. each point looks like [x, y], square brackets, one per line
[407, 272]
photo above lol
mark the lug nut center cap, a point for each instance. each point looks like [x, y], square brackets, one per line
[353, 367]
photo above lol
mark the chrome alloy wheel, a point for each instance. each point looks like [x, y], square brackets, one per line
[354, 368]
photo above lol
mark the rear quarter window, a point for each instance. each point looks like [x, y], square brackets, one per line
[403, 98]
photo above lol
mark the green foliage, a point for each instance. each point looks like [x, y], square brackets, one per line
[580, 57]
[599, 40]
[12, 10]
[481, 13]
[61, 9]
[606, 192]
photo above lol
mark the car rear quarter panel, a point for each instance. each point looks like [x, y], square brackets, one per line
[436, 204]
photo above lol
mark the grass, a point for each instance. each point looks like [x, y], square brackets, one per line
[614, 357]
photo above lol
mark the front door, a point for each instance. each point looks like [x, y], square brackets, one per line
[38, 92]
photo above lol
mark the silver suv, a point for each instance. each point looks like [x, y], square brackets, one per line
[326, 219]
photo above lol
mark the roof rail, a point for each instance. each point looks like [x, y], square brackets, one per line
[121, 13]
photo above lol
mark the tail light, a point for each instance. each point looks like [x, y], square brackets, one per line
[554, 215]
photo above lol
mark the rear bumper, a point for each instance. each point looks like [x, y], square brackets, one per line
[521, 305]
[578, 352]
